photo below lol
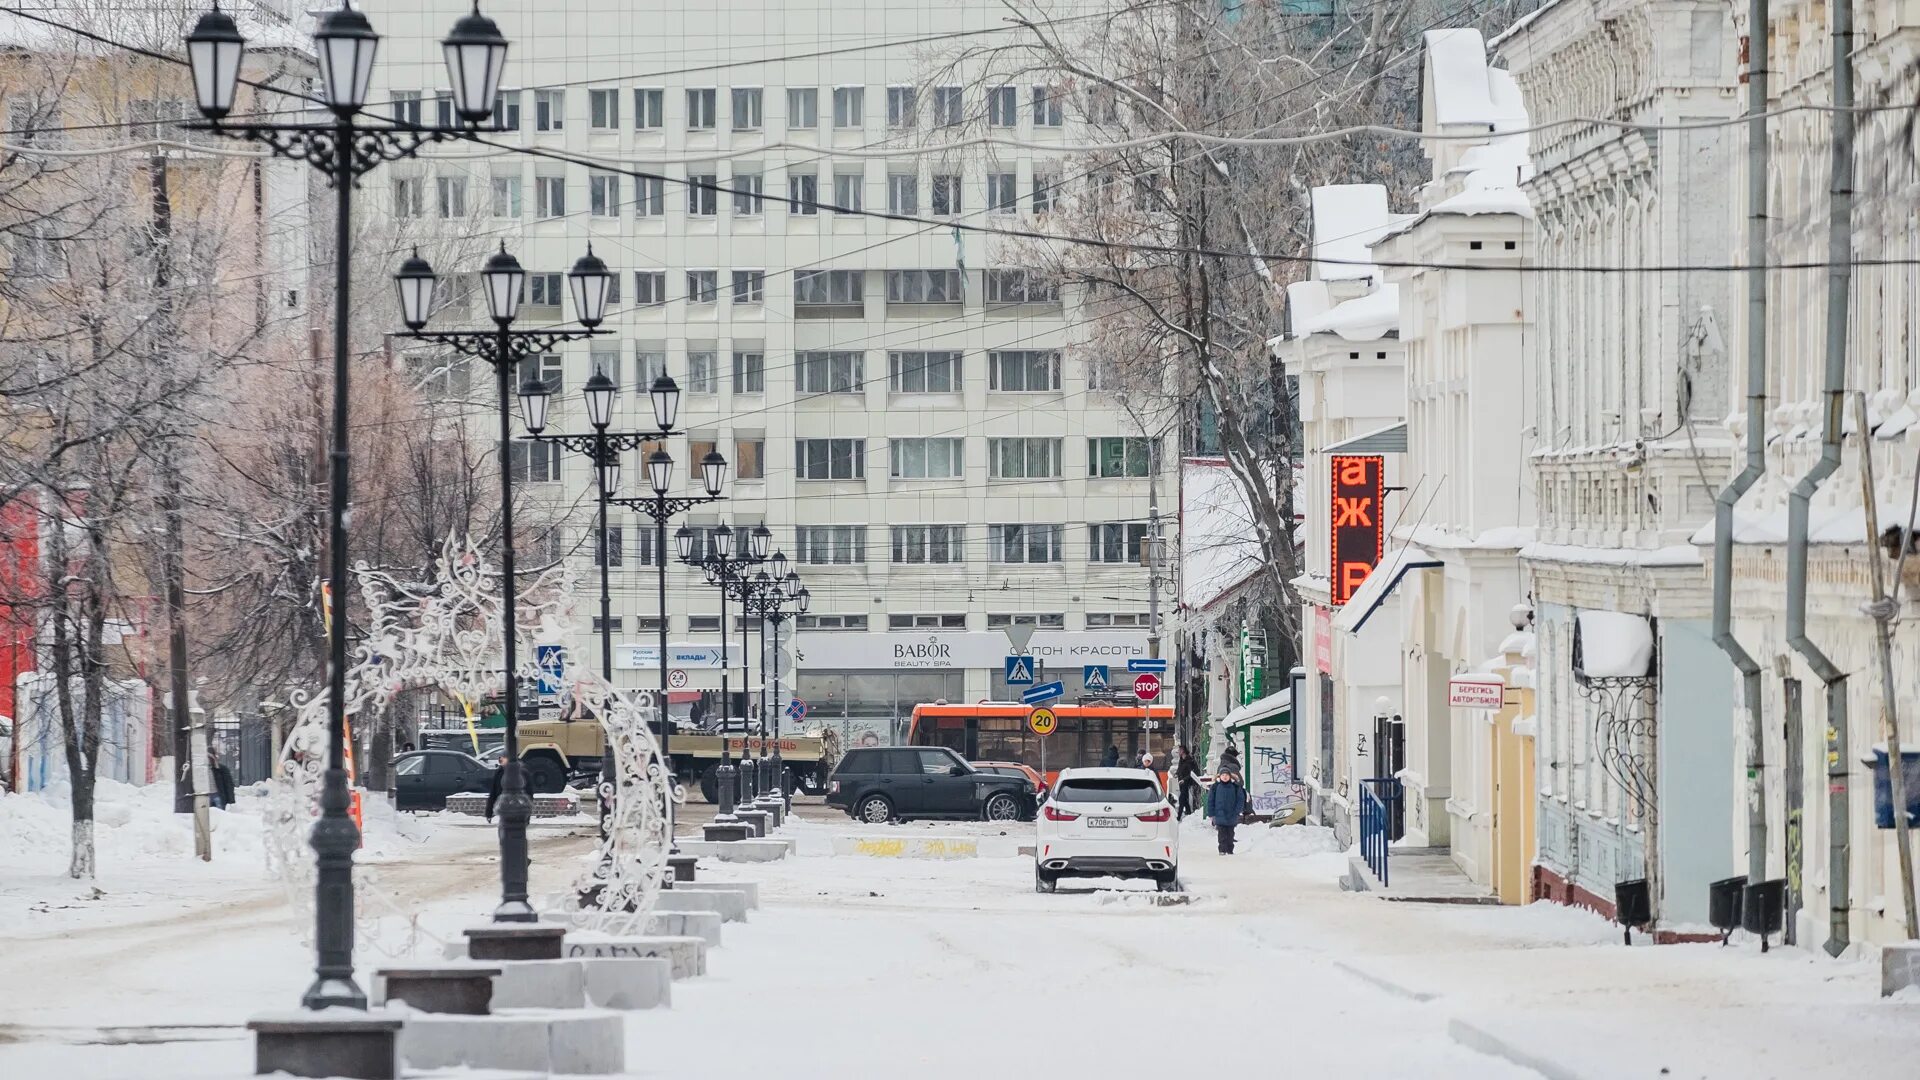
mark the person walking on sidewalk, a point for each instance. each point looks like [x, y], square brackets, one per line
[1187, 773]
[1225, 800]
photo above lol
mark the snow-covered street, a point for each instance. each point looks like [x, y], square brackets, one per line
[862, 966]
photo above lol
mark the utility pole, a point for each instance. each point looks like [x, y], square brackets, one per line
[178, 709]
[1153, 575]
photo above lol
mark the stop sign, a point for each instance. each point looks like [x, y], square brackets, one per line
[1147, 687]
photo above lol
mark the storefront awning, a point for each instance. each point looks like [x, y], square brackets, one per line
[1391, 439]
[1380, 584]
[1270, 707]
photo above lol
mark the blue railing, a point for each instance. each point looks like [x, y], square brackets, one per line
[1378, 798]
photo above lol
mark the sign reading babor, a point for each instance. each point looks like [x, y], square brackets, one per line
[1041, 721]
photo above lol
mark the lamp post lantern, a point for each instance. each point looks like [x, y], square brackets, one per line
[726, 567]
[344, 149]
[777, 598]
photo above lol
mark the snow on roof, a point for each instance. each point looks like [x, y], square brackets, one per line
[1255, 711]
[1672, 555]
[1306, 301]
[1456, 82]
[1615, 644]
[1347, 219]
[1379, 584]
[1364, 318]
[1218, 546]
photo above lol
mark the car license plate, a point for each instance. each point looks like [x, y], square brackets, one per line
[1106, 823]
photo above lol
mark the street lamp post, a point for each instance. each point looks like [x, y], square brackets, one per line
[504, 348]
[778, 597]
[745, 588]
[724, 568]
[665, 395]
[345, 148]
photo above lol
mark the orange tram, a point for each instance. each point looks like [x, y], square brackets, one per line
[997, 731]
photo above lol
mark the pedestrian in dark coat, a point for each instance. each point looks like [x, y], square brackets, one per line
[1188, 773]
[1226, 799]
[493, 787]
[222, 784]
[1112, 759]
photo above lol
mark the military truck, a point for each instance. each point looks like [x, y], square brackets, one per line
[556, 750]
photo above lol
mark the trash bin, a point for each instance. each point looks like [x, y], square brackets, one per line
[1632, 905]
[1763, 908]
[1723, 905]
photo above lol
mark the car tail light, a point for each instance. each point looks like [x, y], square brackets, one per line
[1054, 813]
[1161, 814]
[833, 787]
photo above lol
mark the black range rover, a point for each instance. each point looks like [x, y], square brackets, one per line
[897, 783]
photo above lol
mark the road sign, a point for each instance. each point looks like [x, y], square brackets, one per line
[677, 678]
[797, 709]
[552, 661]
[1041, 721]
[1476, 692]
[1043, 692]
[1018, 635]
[1147, 687]
[1140, 664]
[1094, 676]
[1019, 670]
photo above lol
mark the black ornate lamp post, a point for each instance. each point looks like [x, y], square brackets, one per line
[724, 568]
[661, 508]
[777, 598]
[504, 348]
[346, 148]
[745, 588]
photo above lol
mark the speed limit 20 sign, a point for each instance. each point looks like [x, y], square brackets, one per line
[1042, 721]
[1146, 687]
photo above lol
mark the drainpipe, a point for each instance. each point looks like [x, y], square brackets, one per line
[1756, 467]
[1833, 390]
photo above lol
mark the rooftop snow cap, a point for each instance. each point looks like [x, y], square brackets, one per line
[1462, 95]
[1347, 220]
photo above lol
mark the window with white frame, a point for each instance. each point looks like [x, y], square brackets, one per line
[1022, 287]
[831, 545]
[1119, 456]
[829, 459]
[849, 106]
[609, 542]
[506, 196]
[535, 462]
[614, 624]
[451, 196]
[409, 196]
[651, 362]
[545, 290]
[928, 458]
[1003, 192]
[749, 456]
[923, 372]
[1101, 619]
[1024, 543]
[924, 287]
[903, 193]
[703, 194]
[747, 108]
[831, 622]
[749, 286]
[550, 196]
[749, 371]
[748, 189]
[1023, 459]
[1115, 541]
[649, 287]
[948, 106]
[603, 110]
[803, 107]
[549, 110]
[604, 359]
[1023, 370]
[613, 290]
[903, 106]
[603, 194]
[506, 110]
[703, 286]
[405, 109]
[443, 108]
[803, 193]
[1046, 188]
[703, 371]
[914, 621]
[914, 544]
[1003, 106]
[701, 109]
[649, 196]
[649, 109]
[827, 287]
[947, 195]
[837, 372]
[848, 187]
[1047, 107]
[1043, 620]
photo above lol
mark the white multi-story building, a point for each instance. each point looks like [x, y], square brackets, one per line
[900, 405]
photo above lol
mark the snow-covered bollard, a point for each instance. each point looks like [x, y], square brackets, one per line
[1899, 967]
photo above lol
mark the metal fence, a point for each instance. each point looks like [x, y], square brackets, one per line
[1378, 799]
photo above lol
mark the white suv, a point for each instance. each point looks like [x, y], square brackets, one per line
[1107, 823]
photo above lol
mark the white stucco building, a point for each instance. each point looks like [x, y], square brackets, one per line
[895, 398]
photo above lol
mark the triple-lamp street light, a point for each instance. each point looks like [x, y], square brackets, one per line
[344, 148]
[775, 598]
[725, 567]
[504, 283]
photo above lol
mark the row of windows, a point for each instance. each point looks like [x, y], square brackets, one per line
[609, 194]
[647, 107]
[930, 458]
[710, 624]
[812, 288]
[814, 371]
[1112, 542]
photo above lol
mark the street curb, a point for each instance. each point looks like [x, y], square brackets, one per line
[1394, 988]
[1485, 1042]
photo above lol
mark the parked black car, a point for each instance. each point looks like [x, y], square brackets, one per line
[423, 779]
[879, 784]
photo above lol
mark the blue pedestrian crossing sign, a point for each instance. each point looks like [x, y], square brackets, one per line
[552, 662]
[1019, 670]
[1094, 676]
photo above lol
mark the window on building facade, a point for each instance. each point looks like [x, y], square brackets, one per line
[1047, 107]
[1113, 456]
[827, 287]
[837, 372]
[549, 110]
[747, 108]
[544, 290]
[831, 622]
[1023, 370]
[701, 109]
[1045, 192]
[923, 372]
[649, 109]
[1115, 541]
[649, 287]
[535, 463]
[1022, 287]
[1003, 192]
[916, 544]
[650, 362]
[506, 110]
[924, 287]
[649, 196]
[611, 625]
[927, 622]
[803, 107]
[409, 196]
[443, 108]
[830, 459]
[1003, 106]
[703, 624]
[848, 189]
[450, 195]
[610, 542]
[748, 191]
[603, 110]
[1023, 459]
[1049, 620]
[1024, 543]
[749, 457]
[948, 106]
[903, 106]
[603, 194]
[703, 286]
[405, 108]
[550, 196]
[849, 106]
[545, 367]
[803, 193]
[749, 371]
[506, 196]
[703, 374]
[831, 545]
[1103, 619]
[749, 286]
[703, 194]
[903, 193]
[947, 192]
[940, 458]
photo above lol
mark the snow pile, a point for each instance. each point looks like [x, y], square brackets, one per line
[1364, 318]
[1615, 644]
[132, 825]
[1347, 220]
[1462, 91]
[1288, 841]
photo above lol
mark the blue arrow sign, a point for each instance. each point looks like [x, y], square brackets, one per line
[1043, 692]
[552, 661]
[1019, 670]
[1094, 676]
[1154, 665]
